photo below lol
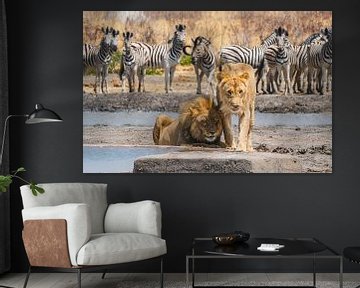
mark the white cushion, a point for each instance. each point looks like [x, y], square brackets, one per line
[138, 217]
[77, 218]
[113, 248]
[62, 193]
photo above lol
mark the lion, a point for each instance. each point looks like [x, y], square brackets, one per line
[199, 124]
[236, 91]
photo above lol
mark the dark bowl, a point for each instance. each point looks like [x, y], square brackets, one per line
[225, 239]
[231, 238]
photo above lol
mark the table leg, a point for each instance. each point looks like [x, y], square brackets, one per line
[341, 273]
[314, 271]
[187, 272]
[193, 272]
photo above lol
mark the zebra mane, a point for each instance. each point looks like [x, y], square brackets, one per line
[127, 35]
[180, 27]
[200, 39]
[281, 31]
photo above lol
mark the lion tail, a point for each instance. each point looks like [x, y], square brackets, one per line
[161, 122]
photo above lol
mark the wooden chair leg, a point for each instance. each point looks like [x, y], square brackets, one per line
[27, 277]
[79, 277]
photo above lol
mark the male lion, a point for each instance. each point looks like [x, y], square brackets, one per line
[236, 92]
[199, 123]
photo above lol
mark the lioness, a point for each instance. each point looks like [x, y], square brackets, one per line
[236, 92]
[199, 123]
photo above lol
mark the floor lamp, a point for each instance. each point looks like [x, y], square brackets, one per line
[39, 115]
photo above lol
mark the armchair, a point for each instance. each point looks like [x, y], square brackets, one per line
[71, 228]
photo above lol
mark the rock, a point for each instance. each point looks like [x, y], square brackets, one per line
[217, 161]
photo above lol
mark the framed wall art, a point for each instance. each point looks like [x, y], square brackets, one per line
[207, 91]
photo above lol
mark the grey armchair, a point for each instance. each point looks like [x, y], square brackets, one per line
[72, 228]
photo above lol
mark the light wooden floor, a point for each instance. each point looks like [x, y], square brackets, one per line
[92, 280]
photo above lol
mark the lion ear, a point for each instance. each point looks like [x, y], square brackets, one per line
[245, 76]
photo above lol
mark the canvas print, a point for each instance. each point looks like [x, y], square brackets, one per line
[207, 91]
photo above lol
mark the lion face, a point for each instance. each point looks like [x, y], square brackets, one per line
[206, 127]
[233, 92]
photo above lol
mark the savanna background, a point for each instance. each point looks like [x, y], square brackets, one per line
[246, 28]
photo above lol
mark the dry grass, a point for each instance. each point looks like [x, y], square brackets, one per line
[246, 28]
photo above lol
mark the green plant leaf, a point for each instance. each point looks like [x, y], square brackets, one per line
[36, 189]
[20, 169]
[5, 182]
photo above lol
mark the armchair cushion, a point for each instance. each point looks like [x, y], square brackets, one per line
[78, 221]
[138, 217]
[113, 248]
[92, 194]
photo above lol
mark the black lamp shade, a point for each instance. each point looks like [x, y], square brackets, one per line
[42, 115]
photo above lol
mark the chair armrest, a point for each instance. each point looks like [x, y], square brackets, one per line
[138, 217]
[78, 223]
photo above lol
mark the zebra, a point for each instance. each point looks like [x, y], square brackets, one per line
[133, 61]
[252, 56]
[301, 65]
[100, 56]
[278, 61]
[204, 60]
[320, 64]
[166, 56]
[240, 54]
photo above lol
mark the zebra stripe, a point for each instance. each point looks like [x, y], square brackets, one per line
[100, 56]
[204, 60]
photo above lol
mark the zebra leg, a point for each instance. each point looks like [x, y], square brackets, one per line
[309, 80]
[129, 77]
[329, 80]
[288, 82]
[172, 73]
[97, 78]
[212, 84]
[198, 81]
[139, 75]
[167, 78]
[133, 73]
[105, 73]
[273, 81]
[324, 78]
[122, 80]
[262, 85]
[143, 73]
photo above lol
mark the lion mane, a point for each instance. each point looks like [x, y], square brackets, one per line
[199, 122]
[236, 91]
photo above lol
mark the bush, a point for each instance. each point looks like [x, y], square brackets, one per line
[185, 60]
[114, 66]
[157, 71]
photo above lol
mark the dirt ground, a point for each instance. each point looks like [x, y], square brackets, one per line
[184, 88]
[312, 145]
